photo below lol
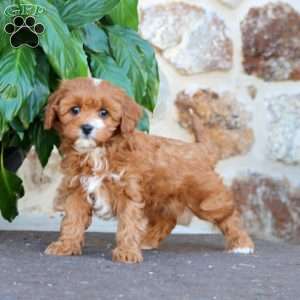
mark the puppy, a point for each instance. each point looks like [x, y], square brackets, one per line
[147, 182]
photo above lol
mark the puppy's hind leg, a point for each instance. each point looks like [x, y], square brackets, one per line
[218, 207]
[157, 230]
[78, 214]
[238, 241]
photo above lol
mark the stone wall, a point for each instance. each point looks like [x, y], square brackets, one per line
[234, 64]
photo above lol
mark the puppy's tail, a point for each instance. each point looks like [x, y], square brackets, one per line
[202, 136]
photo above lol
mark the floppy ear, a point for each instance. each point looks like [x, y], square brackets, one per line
[50, 112]
[131, 114]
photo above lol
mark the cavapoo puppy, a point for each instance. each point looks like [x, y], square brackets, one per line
[147, 182]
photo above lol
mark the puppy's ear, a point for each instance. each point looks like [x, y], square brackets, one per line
[50, 112]
[131, 114]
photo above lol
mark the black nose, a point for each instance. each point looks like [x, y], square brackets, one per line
[87, 128]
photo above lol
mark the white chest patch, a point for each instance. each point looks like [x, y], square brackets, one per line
[97, 194]
[99, 161]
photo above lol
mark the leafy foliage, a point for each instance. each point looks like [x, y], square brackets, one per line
[10, 189]
[4, 41]
[125, 14]
[135, 57]
[16, 81]
[43, 140]
[103, 66]
[96, 37]
[64, 53]
[79, 12]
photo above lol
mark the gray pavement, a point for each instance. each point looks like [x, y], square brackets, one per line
[185, 268]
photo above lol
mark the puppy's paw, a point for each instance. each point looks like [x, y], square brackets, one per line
[242, 251]
[128, 256]
[243, 246]
[148, 245]
[63, 248]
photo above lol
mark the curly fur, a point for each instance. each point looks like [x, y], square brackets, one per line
[147, 182]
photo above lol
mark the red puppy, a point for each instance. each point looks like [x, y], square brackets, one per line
[147, 182]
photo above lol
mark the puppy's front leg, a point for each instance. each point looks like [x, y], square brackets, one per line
[77, 218]
[131, 228]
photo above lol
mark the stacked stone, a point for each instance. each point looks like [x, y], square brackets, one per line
[237, 65]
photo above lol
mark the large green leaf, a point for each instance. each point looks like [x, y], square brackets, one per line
[17, 71]
[93, 37]
[152, 85]
[3, 126]
[59, 4]
[34, 103]
[104, 67]
[137, 58]
[18, 128]
[4, 37]
[151, 68]
[126, 14]
[81, 12]
[150, 65]
[43, 140]
[129, 59]
[64, 52]
[11, 189]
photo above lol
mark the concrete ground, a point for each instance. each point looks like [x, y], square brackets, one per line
[185, 268]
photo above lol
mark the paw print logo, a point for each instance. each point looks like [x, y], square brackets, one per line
[24, 32]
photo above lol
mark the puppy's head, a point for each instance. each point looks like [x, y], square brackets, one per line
[88, 112]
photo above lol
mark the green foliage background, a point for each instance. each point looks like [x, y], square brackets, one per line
[81, 37]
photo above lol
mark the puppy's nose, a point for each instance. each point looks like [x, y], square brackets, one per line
[87, 128]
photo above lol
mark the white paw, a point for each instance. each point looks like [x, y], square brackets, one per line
[242, 250]
[147, 247]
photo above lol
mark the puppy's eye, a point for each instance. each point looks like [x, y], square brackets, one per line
[103, 113]
[75, 110]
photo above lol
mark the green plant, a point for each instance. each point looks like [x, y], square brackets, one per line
[80, 37]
